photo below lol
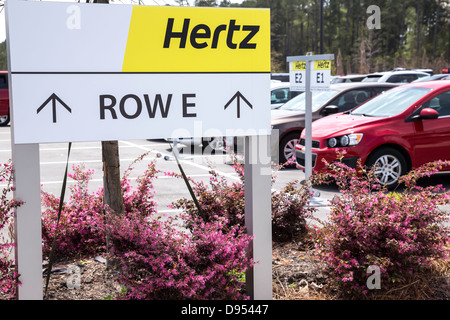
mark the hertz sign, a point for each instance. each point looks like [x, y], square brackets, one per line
[95, 72]
[132, 72]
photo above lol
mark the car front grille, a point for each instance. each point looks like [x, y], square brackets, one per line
[315, 143]
[300, 158]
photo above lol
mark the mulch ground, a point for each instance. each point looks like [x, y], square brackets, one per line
[297, 275]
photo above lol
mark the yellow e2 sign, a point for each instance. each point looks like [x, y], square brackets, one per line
[186, 39]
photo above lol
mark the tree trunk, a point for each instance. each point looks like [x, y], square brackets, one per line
[112, 193]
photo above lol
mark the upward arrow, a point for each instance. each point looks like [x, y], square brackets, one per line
[53, 98]
[238, 96]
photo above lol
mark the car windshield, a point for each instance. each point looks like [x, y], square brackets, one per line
[318, 99]
[391, 102]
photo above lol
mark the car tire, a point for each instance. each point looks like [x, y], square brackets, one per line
[287, 147]
[388, 165]
[4, 120]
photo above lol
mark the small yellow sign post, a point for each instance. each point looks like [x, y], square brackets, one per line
[310, 72]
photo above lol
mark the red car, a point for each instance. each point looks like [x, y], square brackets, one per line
[4, 99]
[398, 130]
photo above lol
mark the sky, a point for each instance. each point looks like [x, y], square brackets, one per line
[146, 2]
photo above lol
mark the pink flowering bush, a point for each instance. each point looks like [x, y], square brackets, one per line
[400, 233]
[81, 230]
[9, 279]
[226, 200]
[160, 261]
[218, 200]
[290, 211]
[156, 259]
[81, 216]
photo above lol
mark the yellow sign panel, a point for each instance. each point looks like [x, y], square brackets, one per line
[322, 65]
[299, 65]
[183, 39]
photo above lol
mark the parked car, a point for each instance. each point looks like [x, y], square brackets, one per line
[289, 119]
[426, 70]
[401, 129]
[283, 77]
[4, 99]
[405, 76]
[280, 94]
[440, 76]
[348, 78]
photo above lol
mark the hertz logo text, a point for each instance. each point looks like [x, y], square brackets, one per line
[200, 33]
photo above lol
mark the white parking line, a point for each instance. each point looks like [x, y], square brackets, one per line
[129, 178]
[199, 166]
[80, 148]
[81, 161]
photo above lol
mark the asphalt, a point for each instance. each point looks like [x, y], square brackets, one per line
[53, 158]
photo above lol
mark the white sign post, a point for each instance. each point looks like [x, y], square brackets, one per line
[306, 76]
[148, 72]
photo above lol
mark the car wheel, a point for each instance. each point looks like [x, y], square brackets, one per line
[388, 166]
[4, 120]
[287, 147]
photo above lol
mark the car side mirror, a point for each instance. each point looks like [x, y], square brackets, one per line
[429, 113]
[331, 109]
[424, 114]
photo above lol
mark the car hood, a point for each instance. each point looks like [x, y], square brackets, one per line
[279, 116]
[280, 113]
[343, 123]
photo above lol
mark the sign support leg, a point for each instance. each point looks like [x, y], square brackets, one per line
[308, 123]
[258, 215]
[27, 220]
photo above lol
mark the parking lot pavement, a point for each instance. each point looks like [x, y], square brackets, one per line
[53, 159]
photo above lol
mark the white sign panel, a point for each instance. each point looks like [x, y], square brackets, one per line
[297, 75]
[98, 107]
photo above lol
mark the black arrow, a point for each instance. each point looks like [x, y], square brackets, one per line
[238, 96]
[53, 98]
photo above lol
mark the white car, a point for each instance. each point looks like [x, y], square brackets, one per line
[348, 78]
[280, 93]
[395, 76]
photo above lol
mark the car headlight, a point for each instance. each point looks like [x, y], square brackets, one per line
[332, 142]
[347, 140]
